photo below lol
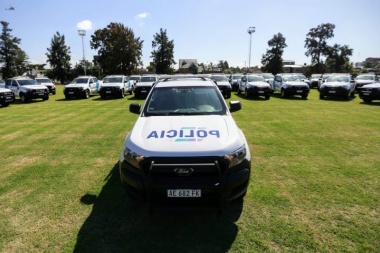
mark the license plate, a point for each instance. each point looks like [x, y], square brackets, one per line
[143, 91]
[366, 93]
[8, 98]
[332, 91]
[71, 92]
[184, 193]
[261, 91]
[108, 91]
[299, 91]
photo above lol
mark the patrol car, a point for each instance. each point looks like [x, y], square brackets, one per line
[115, 85]
[338, 85]
[82, 86]
[26, 88]
[290, 85]
[369, 92]
[255, 85]
[185, 149]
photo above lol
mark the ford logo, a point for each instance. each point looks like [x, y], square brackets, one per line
[183, 171]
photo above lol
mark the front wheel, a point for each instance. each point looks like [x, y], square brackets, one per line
[23, 98]
[46, 97]
[321, 96]
[86, 94]
[367, 100]
[5, 104]
[304, 96]
[283, 95]
[267, 97]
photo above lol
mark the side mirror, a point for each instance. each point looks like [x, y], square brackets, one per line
[135, 108]
[235, 106]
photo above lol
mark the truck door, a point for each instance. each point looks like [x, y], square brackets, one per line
[15, 88]
[277, 83]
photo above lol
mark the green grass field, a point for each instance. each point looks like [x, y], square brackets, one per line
[315, 182]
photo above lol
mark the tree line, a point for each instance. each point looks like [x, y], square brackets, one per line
[120, 51]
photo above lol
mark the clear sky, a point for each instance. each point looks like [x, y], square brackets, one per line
[206, 30]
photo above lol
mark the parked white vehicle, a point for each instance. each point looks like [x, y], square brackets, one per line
[290, 85]
[185, 148]
[26, 88]
[47, 82]
[82, 86]
[115, 86]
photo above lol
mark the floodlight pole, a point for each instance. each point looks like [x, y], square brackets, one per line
[82, 33]
[250, 30]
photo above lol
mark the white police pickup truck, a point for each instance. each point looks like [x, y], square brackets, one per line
[26, 88]
[290, 85]
[185, 149]
[115, 85]
[82, 86]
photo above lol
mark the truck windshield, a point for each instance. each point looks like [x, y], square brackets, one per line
[184, 101]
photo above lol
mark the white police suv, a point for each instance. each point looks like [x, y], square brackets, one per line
[185, 150]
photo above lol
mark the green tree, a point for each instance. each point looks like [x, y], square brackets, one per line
[163, 53]
[58, 56]
[272, 60]
[119, 52]
[338, 60]
[21, 62]
[316, 44]
[9, 51]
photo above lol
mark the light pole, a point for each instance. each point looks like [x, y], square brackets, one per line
[250, 30]
[82, 33]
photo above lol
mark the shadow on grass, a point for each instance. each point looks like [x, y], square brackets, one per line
[118, 224]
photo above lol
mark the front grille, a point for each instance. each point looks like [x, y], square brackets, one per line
[199, 167]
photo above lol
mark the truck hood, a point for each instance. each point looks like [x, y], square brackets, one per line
[259, 84]
[112, 84]
[300, 84]
[184, 136]
[334, 84]
[35, 87]
[76, 85]
[372, 85]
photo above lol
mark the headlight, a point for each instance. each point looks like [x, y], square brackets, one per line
[237, 156]
[347, 86]
[132, 157]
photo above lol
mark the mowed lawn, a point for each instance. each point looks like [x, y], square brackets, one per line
[315, 182]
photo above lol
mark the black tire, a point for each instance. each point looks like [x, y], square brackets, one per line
[246, 94]
[5, 104]
[352, 94]
[283, 95]
[304, 96]
[267, 97]
[239, 91]
[53, 92]
[86, 94]
[23, 98]
[367, 100]
[321, 96]
[46, 97]
[122, 95]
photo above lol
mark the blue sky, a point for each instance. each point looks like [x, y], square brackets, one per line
[206, 30]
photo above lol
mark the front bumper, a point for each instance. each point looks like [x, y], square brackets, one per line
[297, 90]
[33, 94]
[74, 92]
[142, 90]
[259, 91]
[7, 98]
[334, 91]
[369, 93]
[217, 183]
[110, 91]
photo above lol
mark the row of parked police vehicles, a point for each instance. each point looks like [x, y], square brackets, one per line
[250, 85]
